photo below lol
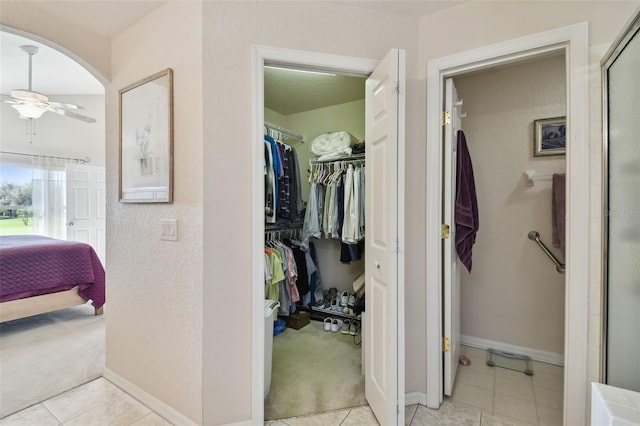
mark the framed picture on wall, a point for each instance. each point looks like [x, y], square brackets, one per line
[146, 140]
[549, 137]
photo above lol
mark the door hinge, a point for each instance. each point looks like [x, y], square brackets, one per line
[446, 117]
[397, 246]
[397, 88]
[445, 231]
[446, 344]
[397, 408]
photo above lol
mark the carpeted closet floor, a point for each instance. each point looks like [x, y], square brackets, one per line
[314, 371]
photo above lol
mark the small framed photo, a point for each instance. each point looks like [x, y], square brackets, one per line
[146, 140]
[549, 137]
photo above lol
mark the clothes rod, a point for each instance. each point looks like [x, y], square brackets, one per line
[287, 132]
[84, 160]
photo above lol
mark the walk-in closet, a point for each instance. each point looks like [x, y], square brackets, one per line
[314, 240]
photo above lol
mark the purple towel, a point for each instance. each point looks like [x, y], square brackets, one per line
[558, 210]
[466, 214]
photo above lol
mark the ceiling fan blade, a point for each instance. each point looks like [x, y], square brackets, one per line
[28, 95]
[73, 115]
[64, 105]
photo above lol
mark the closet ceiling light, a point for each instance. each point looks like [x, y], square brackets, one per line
[300, 70]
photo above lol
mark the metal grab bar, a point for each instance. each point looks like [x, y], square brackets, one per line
[535, 236]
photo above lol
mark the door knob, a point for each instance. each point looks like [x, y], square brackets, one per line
[70, 223]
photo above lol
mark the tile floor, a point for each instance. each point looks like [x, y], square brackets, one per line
[98, 402]
[483, 395]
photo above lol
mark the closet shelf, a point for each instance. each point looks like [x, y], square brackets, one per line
[354, 157]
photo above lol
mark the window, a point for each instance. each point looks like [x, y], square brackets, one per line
[16, 213]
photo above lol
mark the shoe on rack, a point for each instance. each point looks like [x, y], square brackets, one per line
[354, 328]
[327, 323]
[335, 306]
[336, 325]
[352, 301]
[344, 299]
[345, 326]
[333, 293]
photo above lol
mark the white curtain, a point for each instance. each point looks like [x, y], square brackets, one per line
[49, 197]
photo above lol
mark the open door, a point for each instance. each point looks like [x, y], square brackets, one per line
[451, 264]
[86, 212]
[383, 344]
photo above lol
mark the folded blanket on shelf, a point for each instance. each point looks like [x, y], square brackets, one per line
[334, 145]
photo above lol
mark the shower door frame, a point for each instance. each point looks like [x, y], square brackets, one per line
[619, 44]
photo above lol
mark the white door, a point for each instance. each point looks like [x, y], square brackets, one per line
[451, 263]
[384, 347]
[86, 203]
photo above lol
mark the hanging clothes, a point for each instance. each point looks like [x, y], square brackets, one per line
[291, 274]
[283, 200]
[335, 209]
[269, 185]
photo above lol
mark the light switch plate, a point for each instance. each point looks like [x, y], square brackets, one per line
[169, 229]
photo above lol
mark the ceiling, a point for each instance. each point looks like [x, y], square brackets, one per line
[285, 92]
[107, 18]
[53, 72]
[288, 91]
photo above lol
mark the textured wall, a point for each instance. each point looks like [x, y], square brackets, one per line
[154, 290]
[514, 294]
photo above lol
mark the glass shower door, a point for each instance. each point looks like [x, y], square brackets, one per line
[621, 71]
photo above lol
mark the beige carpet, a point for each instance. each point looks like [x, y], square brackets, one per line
[314, 371]
[45, 355]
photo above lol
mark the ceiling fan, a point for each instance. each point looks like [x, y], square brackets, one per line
[32, 105]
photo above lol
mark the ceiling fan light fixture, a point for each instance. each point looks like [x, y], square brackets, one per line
[29, 110]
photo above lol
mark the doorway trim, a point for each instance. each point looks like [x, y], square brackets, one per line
[573, 40]
[305, 60]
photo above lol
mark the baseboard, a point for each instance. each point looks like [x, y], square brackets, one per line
[159, 407]
[535, 354]
[413, 398]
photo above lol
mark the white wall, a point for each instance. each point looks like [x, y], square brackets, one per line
[58, 135]
[513, 295]
[154, 288]
[230, 31]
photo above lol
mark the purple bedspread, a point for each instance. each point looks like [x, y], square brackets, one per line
[32, 265]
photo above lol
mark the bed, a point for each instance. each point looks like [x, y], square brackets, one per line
[41, 274]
